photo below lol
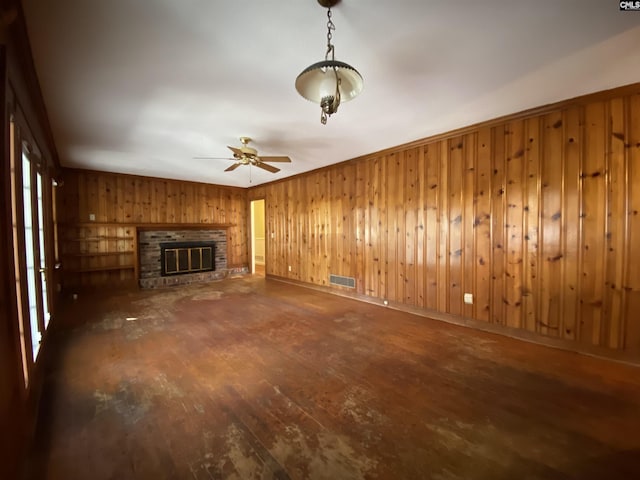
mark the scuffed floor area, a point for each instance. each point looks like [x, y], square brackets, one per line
[249, 378]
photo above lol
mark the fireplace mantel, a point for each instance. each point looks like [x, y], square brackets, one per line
[182, 226]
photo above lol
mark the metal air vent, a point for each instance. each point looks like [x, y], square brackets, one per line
[342, 281]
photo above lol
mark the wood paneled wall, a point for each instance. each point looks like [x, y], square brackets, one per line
[536, 216]
[119, 201]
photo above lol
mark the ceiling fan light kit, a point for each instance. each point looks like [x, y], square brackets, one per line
[329, 82]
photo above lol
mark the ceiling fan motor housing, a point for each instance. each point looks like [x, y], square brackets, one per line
[246, 149]
[250, 152]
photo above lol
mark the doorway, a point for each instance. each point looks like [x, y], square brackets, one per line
[258, 247]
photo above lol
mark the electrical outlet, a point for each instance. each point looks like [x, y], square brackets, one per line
[289, 267]
[92, 217]
[468, 298]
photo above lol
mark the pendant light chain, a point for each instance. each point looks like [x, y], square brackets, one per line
[330, 28]
[329, 105]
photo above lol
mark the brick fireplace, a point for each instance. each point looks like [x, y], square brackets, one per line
[151, 244]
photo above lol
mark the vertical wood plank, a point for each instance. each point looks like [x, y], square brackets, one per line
[325, 216]
[420, 228]
[513, 241]
[375, 234]
[383, 229]
[145, 186]
[455, 252]
[551, 231]
[531, 277]
[360, 233]
[482, 227]
[617, 139]
[368, 242]
[594, 215]
[571, 222]
[93, 200]
[432, 223]
[348, 200]
[498, 225]
[139, 201]
[162, 203]
[400, 222]
[102, 210]
[302, 216]
[412, 184]
[392, 260]
[469, 200]
[443, 227]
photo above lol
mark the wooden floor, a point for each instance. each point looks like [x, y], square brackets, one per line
[250, 378]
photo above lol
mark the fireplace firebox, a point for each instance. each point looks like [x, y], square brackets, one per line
[179, 258]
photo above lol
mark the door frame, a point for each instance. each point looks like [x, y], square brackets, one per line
[252, 234]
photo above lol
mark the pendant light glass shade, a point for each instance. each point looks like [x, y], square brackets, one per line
[319, 80]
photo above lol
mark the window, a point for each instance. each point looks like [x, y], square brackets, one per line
[30, 231]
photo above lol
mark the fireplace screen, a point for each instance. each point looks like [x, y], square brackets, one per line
[187, 257]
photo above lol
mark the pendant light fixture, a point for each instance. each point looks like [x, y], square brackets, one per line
[329, 82]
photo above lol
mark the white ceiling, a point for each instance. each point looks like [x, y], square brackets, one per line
[142, 86]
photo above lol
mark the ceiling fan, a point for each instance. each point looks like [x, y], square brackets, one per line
[246, 155]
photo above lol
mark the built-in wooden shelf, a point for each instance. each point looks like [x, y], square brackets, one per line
[97, 254]
[102, 269]
[100, 238]
[119, 247]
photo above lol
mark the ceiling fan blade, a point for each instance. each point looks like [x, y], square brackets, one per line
[268, 168]
[275, 159]
[233, 167]
[214, 158]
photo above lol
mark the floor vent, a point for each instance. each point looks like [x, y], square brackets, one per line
[342, 281]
